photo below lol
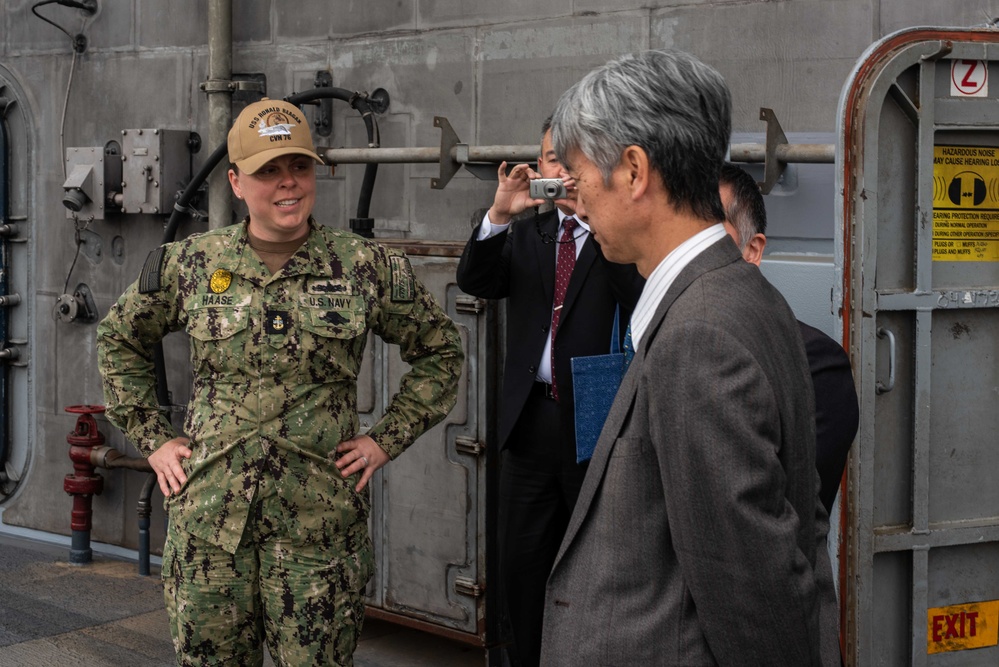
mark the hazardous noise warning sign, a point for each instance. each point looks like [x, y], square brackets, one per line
[965, 204]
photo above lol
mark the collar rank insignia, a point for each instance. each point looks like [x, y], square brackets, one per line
[277, 322]
[220, 281]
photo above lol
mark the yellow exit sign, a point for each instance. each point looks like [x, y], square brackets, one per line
[962, 626]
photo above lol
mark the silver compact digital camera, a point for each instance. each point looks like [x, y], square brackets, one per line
[548, 188]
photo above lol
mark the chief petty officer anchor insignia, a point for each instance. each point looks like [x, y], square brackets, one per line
[277, 321]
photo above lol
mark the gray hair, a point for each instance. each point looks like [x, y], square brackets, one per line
[670, 104]
[746, 211]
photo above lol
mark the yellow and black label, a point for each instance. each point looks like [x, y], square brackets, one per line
[962, 626]
[965, 204]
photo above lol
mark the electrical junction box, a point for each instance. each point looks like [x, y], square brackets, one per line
[155, 165]
[85, 186]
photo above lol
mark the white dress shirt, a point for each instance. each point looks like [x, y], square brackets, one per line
[659, 282]
[488, 230]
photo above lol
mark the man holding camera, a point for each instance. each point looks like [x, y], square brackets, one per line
[561, 297]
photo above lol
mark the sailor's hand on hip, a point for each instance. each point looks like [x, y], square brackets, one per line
[166, 463]
[360, 454]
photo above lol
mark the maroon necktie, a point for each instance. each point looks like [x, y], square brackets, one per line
[564, 263]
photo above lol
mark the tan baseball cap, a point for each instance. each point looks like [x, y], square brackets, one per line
[266, 129]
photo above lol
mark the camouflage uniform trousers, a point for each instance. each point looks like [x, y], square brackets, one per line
[307, 601]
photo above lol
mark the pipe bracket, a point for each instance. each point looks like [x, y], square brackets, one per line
[773, 168]
[212, 86]
[449, 162]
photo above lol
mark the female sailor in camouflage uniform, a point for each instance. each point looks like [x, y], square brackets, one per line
[268, 523]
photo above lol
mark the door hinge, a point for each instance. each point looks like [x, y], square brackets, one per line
[469, 304]
[465, 586]
[470, 446]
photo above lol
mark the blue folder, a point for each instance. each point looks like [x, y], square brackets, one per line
[595, 380]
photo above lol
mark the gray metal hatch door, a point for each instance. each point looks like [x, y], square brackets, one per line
[428, 521]
[4, 269]
[4, 328]
[918, 254]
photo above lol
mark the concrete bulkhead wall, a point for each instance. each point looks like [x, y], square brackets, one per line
[495, 73]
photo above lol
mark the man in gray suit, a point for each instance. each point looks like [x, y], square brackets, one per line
[697, 538]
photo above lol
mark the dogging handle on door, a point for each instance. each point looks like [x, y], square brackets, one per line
[879, 386]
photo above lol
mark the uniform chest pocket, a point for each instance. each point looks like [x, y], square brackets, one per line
[217, 322]
[341, 318]
[333, 341]
[218, 341]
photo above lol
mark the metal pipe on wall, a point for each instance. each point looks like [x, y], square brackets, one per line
[775, 154]
[219, 92]
[109, 457]
[430, 155]
[789, 153]
[145, 510]
[799, 153]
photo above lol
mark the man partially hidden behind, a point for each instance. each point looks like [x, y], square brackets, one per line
[697, 538]
[561, 296]
[837, 413]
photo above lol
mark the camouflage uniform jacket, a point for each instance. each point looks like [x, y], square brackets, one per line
[275, 360]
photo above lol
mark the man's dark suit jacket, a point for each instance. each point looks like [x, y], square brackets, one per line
[837, 414]
[697, 537]
[519, 266]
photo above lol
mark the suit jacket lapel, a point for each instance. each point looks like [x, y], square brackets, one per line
[719, 254]
[545, 252]
[587, 256]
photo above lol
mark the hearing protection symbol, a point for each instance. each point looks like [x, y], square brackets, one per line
[967, 189]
